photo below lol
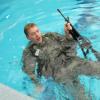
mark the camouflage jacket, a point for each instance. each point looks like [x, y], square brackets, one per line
[55, 50]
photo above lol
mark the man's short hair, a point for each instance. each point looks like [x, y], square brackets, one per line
[27, 27]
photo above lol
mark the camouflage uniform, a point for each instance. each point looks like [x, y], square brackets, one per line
[57, 58]
[55, 50]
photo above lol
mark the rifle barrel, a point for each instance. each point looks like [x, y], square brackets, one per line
[63, 15]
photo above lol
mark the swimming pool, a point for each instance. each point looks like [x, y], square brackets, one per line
[84, 14]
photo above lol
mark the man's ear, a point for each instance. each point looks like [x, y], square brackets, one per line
[28, 37]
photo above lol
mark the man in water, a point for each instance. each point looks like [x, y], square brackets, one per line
[39, 42]
[55, 56]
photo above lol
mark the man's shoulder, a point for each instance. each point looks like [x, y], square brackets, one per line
[26, 51]
[27, 48]
[53, 35]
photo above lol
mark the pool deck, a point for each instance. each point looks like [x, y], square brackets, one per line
[7, 93]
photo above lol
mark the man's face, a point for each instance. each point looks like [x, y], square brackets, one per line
[34, 34]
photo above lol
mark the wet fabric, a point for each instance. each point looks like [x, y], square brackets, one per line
[55, 50]
[57, 58]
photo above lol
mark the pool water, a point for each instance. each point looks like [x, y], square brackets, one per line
[14, 14]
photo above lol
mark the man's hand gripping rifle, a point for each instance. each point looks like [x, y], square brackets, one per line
[83, 42]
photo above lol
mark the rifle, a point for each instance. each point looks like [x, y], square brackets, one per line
[76, 36]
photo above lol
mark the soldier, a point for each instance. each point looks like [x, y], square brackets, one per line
[40, 44]
[55, 56]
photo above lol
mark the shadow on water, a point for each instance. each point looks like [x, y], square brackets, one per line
[87, 17]
[86, 1]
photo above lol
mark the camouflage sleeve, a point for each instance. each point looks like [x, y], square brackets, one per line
[29, 62]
